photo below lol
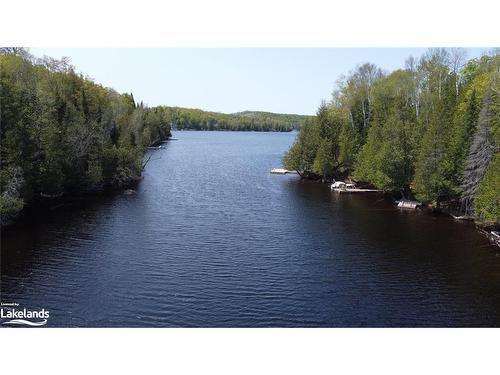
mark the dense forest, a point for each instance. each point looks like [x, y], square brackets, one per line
[430, 130]
[62, 133]
[196, 119]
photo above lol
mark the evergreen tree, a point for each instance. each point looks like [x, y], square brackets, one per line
[62, 133]
[432, 128]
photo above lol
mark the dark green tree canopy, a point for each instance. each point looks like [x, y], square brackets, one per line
[62, 133]
[430, 129]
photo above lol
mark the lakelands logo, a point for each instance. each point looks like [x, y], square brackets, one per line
[11, 314]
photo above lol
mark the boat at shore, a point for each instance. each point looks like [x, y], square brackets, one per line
[409, 204]
[345, 187]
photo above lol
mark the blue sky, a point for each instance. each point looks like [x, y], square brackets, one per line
[229, 80]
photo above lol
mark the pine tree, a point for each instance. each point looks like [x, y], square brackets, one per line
[480, 155]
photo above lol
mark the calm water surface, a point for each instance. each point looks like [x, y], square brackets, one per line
[211, 238]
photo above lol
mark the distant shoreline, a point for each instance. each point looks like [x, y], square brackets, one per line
[235, 130]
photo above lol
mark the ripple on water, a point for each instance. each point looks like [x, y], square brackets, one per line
[212, 239]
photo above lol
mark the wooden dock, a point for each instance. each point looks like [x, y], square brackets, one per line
[356, 190]
[282, 171]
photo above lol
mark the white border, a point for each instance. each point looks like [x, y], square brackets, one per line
[249, 351]
[257, 23]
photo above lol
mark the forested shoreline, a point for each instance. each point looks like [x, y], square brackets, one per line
[429, 131]
[63, 134]
[197, 119]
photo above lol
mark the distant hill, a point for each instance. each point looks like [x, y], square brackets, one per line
[294, 120]
[197, 119]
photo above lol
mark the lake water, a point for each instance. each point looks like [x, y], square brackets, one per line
[212, 239]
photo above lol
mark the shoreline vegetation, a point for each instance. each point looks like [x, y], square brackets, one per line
[64, 135]
[197, 119]
[429, 131]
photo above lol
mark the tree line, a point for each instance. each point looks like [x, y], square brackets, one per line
[63, 133]
[430, 130]
[197, 119]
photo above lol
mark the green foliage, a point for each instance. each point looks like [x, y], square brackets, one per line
[432, 165]
[323, 164]
[349, 145]
[196, 119]
[302, 154]
[10, 205]
[386, 159]
[63, 133]
[495, 116]
[284, 120]
[416, 128]
[317, 151]
[94, 172]
[11, 180]
[488, 194]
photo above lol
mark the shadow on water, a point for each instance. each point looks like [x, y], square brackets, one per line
[435, 271]
[43, 253]
[43, 226]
